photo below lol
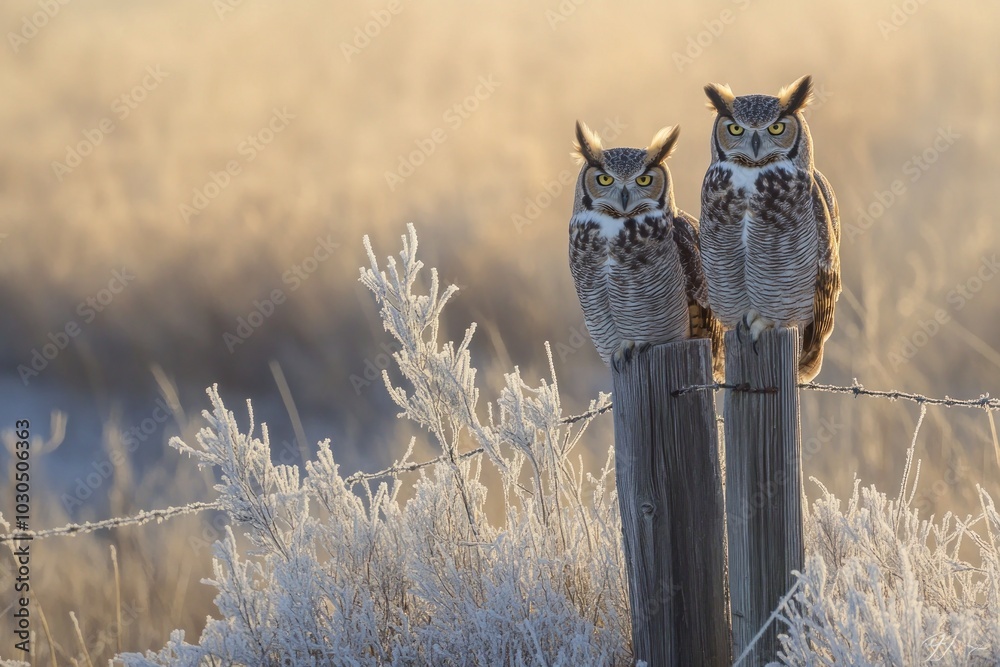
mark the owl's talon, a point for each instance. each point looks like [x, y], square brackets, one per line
[759, 326]
[627, 350]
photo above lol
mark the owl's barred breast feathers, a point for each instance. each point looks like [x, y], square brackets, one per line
[633, 255]
[770, 228]
[766, 254]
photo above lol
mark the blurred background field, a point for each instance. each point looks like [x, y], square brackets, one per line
[238, 148]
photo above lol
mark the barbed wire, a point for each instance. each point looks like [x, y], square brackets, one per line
[984, 401]
[171, 512]
[359, 477]
[856, 388]
[743, 387]
[88, 527]
[590, 414]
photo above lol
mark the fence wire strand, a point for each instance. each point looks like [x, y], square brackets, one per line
[88, 527]
[984, 402]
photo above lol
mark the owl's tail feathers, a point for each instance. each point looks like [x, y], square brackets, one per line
[815, 333]
[718, 334]
[705, 325]
[811, 359]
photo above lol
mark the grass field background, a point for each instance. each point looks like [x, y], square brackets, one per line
[284, 119]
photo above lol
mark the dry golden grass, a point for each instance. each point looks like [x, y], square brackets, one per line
[884, 99]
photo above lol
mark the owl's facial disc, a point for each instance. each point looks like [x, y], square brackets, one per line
[626, 196]
[759, 144]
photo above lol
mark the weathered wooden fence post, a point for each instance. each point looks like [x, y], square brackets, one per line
[670, 493]
[763, 483]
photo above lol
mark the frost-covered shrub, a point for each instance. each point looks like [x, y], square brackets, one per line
[884, 587]
[344, 572]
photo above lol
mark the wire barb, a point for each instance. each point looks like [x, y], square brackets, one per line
[857, 389]
[171, 512]
[391, 471]
[590, 414]
[743, 387]
[87, 527]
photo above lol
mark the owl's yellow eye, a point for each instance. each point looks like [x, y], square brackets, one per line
[735, 130]
[604, 179]
[644, 180]
[777, 128]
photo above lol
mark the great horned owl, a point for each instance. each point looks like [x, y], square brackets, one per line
[633, 255]
[770, 227]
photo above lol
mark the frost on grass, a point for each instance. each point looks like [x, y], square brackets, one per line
[343, 571]
[884, 587]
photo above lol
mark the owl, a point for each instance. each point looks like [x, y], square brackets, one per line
[770, 226]
[633, 254]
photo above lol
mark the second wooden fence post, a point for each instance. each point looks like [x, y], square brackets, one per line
[763, 483]
[670, 494]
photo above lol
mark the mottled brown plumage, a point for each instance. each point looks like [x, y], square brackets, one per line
[633, 255]
[770, 225]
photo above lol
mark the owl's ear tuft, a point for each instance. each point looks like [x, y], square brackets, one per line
[662, 145]
[587, 147]
[720, 98]
[796, 96]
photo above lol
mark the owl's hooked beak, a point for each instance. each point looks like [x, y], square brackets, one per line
[755, 143]
[624, 199]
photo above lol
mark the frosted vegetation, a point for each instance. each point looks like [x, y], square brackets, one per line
[409, 568]
[494, 185]
[883, 586]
